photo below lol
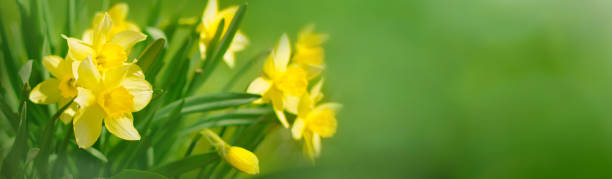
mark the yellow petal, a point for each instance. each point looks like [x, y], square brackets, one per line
[111, 55]
[85, 97]
[293, 82]
[291, 104]
[118, 12]
[298, 128]
[315, 93]
[259, 86]
[239, 43]
[88, 36]
[243, 160]
[69, 113]
[131, 26]
[269, 69]
[127, 39]
[282, 52]
[140, 89]
[88, 125]
[305, 105]
[277, 99]
[312, 145]
[210, 13]
[122, 127]
[88, 75]
[228, 58]
[47, 92]
[79, 49]
[322, 121]
[102, 31]
[53, 64]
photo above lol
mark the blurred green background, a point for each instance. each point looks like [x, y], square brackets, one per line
[437, 89]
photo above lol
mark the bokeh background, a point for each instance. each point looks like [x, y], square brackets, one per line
[434, 88]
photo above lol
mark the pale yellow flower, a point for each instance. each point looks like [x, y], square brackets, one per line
[118, 13]
[106, 49]
[279, 80]
[308, 51]
[208, 28]
[110, 97]
[314, 122]
[240, 158]
[59, 89]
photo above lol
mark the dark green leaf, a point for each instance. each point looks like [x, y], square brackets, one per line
[12, 165]
[207, 102]
[46, 139]
[187, 164]
[236, 117]
[135, 174]
[151, 54]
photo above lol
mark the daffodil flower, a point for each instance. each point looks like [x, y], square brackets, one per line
[107, 50]
[308, 51]
[314, 122]
[240, 158]
[208, 28]
[118, 13]
[279, 80]
[110, 97]
[60, 89]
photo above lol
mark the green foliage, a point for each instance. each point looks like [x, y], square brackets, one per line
[45, 148]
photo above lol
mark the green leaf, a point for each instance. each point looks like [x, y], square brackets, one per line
[156, 34]
[8, 112]
[153, 18]
[96, 153]
[164, 136]
[207, 102]
[222, 47]
[10, 61]
[45, 141]
[187, 164]
[11, 166]
[134, 174]
[25, 71]
[236, 117]
[151, 54]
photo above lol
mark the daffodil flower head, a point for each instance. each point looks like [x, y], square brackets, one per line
[279, 80]
[118, 13]
[240, 158]
[208, 28]
[59, 89]
[314, 122]
[111, 98]
[309, 53]
[107, 49]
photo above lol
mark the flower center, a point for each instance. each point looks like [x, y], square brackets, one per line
[116, 102]
[293, 81]
[322, 122]
[67, 87]
[111, 55]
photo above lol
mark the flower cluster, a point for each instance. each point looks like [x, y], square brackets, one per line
[106, 87]
[101, 86]
[284, 83]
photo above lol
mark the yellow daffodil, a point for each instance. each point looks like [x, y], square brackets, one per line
[308, 51]
[118, 14]
[280, 80]
[60, 89]
[208, 28]
[314, 122]
[107, 50]
[110, 97]
[238, 157]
